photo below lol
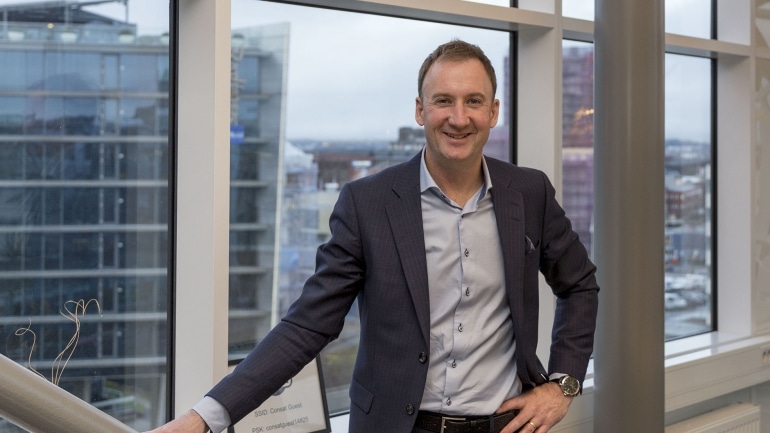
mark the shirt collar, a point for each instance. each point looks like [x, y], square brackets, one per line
[427, 182]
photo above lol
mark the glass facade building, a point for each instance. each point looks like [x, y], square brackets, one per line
[84, 200]
[258, 98]
[84, 209]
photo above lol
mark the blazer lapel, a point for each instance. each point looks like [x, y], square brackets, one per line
[509, 212]
[405, 217]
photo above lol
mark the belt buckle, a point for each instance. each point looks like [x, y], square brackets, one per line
[444, 419]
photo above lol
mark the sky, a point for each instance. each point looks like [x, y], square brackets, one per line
[353, 76]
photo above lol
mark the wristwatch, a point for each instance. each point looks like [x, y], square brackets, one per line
[570, 386]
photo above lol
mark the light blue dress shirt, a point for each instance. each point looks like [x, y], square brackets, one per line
[472, 366]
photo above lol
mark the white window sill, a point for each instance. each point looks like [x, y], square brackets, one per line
[707, 366]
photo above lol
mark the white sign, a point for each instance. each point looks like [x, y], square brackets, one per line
[298, 407]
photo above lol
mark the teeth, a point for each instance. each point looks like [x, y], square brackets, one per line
[458, 136]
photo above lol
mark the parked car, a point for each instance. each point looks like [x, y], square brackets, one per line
[675, 301]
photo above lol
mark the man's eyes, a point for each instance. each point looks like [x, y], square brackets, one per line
[472, 101]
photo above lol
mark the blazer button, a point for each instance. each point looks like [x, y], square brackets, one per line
[423, 357]
[409, 409]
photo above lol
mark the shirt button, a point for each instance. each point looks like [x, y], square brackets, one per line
[409, 409]
[467, 253]
[449, 401]
[454, 363]
[467, 291]
[460, 327]
[422, 357]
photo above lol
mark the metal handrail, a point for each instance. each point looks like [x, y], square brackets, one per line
[37, 405]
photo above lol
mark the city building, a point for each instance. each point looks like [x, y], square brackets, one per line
[85, 199]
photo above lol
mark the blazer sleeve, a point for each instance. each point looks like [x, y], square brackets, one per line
[313, 320]
[570, 273]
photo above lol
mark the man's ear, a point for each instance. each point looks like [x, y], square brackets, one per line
[418, 111]
[495, 112]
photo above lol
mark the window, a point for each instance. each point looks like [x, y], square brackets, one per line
[349, 109]
[688, 197]
[578, 137]
[582, 9]
[684, 17]
[689, 17]
[84, 200]
[688, 206]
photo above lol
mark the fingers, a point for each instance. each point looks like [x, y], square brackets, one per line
[539, 410]
[532, 427]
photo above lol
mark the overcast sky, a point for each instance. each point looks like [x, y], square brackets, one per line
[353, 76]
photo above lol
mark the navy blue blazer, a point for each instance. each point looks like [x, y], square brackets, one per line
[377, 254]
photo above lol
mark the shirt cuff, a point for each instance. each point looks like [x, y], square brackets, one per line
[214, 414]
[556, 376]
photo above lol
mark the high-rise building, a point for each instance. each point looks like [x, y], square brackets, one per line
[84, 208]
[258, 100]
[578, 140]
[85, 202]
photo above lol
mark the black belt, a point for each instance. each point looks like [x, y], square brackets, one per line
[438, 423]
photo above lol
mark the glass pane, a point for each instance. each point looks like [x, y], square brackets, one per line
[83, 202]
[685, 17]
[689, 17]
[688, 196]
[582, 9]
[688, 144]
[349, 112]
[578, 138]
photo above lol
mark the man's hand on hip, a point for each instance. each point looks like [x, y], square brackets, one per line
[540, 409]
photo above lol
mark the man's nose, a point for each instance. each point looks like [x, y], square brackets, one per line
[459, 115]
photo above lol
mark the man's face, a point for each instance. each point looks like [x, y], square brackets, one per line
[457, 109]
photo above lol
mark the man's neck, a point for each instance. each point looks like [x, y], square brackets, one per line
[458, 181]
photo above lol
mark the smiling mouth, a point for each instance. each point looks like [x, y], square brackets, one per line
[457, 136]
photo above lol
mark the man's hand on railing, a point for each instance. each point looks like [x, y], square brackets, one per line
[189, 422]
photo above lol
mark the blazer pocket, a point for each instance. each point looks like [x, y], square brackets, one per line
[529, 246]
[361, 396]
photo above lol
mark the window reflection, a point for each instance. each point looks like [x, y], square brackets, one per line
[348, 105]
[84, 199]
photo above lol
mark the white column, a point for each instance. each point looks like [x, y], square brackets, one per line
[539, 134]
[202, 188]
[629, 190]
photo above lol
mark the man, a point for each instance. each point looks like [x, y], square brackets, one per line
[442, 253]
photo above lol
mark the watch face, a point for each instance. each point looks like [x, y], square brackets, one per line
[569, 386]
